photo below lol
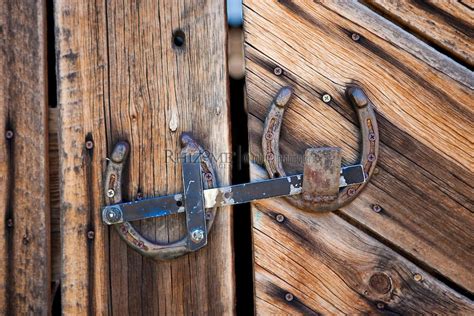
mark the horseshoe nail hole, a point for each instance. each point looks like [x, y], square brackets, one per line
[178, 38]
[179, 203]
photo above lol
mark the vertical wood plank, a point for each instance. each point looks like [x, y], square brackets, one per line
[24, 192]
[121, 76]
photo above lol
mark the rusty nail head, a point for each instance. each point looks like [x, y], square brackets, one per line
[10, 222]
[351, 191]
[89, 144]
[9, 134]
[326, 98]
[278, 71]
[380, 283]
[417, 277]
[26, 240]
[280, 218]
[355, 37]
[376, 208]
[376, 171]
[90, 234]
[289, 297]
[110, 193]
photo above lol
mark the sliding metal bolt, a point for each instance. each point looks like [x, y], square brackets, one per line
[326, 98]
[110, 193]
[197, 235]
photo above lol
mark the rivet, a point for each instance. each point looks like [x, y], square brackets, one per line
[90, 234]
[280, 218]
[197, 235]
[417, 277]
[10, 222]
[376, 208]
[278, 71]
[9, 134]
[110, 193]
[289, 297]
[89, 144]
[380, 305]
[355, 37]
[326, 98]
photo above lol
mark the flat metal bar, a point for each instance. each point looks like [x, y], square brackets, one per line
[194, 207]
[236, 194]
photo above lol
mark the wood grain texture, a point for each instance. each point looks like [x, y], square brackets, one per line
[121, 77]
[446, 23]
[24, 192]
[425, 119]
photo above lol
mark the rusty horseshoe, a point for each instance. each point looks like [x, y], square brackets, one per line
[113, 190]
[368, 157]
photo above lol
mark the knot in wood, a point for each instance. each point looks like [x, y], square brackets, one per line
[380, 283]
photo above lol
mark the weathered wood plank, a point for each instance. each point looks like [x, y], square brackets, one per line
[423, 183]
[122, 77]
[330, 267]
[446, 23]
[24, 193]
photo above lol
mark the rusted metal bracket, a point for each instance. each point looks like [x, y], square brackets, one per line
[198, 174]
[322, 165]
[324, 185]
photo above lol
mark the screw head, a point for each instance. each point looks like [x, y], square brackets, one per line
[9, 134]
[380, 305]
[376, 208]
[89, 144]
[371, 157]
[417, 277]
[355, 37]
[90, 234]
[10, 222]
[278, 71]
[197, 235]
[289, 297]
[351, 192]
[326, 98]
[372, 137]
[280, 218]
[112, 215]
[110, 193]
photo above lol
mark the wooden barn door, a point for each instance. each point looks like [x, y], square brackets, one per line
[405, 245]
[141, 71]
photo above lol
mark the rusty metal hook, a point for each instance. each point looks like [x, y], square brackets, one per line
[368, 157]
[113, 189]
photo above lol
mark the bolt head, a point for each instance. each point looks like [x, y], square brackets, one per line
[289, 297]
[110, 193]
[278, 71]
[326, 98]
[112, 215]
[197, 235]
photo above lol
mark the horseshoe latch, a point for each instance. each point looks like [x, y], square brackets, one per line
[325, 185]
